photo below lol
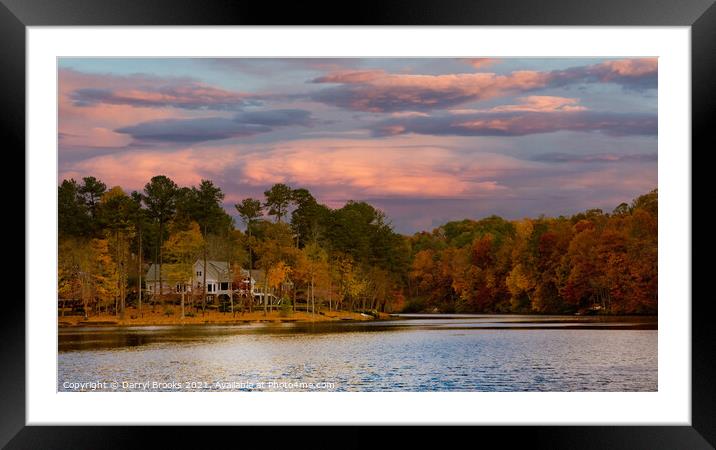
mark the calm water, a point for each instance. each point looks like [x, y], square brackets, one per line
[410, 353]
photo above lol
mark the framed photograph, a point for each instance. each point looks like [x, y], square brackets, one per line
[461, 214]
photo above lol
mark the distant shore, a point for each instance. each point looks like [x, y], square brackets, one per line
[132, 317]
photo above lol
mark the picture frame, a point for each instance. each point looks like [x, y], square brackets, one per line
[700, 15]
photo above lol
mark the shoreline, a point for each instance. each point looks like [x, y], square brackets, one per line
[211, 317]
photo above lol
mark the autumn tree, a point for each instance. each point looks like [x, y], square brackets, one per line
[424, 271]
[204, 207]
[381, 289]
[115, 213]
[103, 273]
[275, 247]
[313, 271]
[277, 275]
[351, 282]
[74, 266]
[182, 249]
[352, 256]
[520, 286]
[642, 259]
[250, 210]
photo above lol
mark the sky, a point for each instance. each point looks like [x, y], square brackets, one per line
[425, 140]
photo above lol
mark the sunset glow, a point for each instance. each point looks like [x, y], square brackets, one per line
[425, 140]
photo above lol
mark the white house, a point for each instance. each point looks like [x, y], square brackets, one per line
[219, 281]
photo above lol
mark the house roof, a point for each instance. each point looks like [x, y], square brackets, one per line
[219, 266]
[216, 270]
[153, 273]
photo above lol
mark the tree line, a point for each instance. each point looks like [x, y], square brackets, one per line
[346, 258]
[591, 261]
[350, 257]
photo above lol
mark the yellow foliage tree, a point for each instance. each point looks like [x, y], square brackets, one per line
[105, 276]
[312, 270]
[518, 284]
[181, 250]
[278, 274]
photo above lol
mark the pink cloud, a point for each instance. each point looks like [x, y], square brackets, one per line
[351, 76]
[95, 137]
[427, 166]
[91, 125]
[380, 91]
[530, 103]
[630, 67]
[150, 91]
[533, 117]
[344, 169]
[191, 95]
[633, 73]
[542, 103]
[479, 63]
[133, 169]
[399, 174]
[379, 169]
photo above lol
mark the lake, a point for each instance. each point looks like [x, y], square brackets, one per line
[413, 352]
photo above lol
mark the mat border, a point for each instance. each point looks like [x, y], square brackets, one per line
[700, 15]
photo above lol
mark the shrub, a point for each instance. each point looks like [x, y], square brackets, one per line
[286, 307]
[414, 305]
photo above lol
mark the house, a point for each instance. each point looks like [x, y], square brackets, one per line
[219, 281]
[218, 278]
[151, 280]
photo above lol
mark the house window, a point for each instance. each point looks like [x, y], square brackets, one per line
[224, 286]
[198, 273]
[210, 287]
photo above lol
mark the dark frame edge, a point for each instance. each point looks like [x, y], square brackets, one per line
[703, 98]
[369, 12]
[702, 433]
[12, 341]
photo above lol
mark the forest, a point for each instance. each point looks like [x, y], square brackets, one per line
[350, 258]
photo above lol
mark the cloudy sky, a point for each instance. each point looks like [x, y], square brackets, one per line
[425, 140]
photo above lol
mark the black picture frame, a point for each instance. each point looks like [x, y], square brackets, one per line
[700, 15]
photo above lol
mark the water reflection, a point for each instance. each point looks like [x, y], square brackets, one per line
[413, 353]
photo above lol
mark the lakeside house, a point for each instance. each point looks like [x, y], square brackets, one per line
[220, 281]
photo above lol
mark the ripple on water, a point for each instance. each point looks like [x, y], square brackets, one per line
[385, 358]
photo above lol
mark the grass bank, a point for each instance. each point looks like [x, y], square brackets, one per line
[172, 316]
